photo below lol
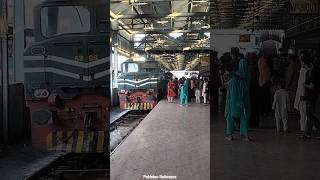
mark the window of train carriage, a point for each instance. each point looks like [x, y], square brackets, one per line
[64, 20]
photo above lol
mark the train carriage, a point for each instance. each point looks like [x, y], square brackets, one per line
[67, 76]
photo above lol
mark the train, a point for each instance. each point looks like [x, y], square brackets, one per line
[141, 84]
[66, 76]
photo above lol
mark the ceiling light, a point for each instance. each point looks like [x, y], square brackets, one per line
[174, 14]
[162, 22]
[138, 57]
[207, 26]
[140, 3]
[196, 22]
[207, 34]
[200, 1]
[175, 34]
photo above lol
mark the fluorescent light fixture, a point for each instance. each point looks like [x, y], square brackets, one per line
[162, 22]
[140, 3]
[196, 22]
[200, 1]
[207, 26]
[139, 37]
[139, 58]
[174, 14]
[147, 48]
[175, 34]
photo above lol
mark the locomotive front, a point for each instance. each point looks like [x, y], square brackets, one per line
[67, 76]
[138, 85]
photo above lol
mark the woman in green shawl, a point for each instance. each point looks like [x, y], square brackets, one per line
[238, 101]
[184, 93]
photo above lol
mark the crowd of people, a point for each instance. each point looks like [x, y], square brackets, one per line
[255, 84]
[186, 89]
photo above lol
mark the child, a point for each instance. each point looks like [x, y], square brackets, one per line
[171, 91]
[281, 107]
[205, 90]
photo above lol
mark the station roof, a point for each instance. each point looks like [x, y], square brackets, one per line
[171, 25]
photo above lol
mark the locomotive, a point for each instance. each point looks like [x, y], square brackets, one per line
[66, 73]
[141, 85]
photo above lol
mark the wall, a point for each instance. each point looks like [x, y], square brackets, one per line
[223, 40]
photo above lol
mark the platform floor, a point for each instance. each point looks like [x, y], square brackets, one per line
[269, 156]
[17, 163]
[171, 140]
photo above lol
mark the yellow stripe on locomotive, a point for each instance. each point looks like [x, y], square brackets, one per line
[138, 106]
[77, 141]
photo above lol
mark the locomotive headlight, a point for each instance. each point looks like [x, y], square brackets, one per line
[41, 93]
[122, 91]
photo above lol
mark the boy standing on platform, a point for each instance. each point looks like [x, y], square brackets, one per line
[281, 106]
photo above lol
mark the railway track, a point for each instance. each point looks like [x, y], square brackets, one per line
[90, 166]
[75, 166]
[123, 126]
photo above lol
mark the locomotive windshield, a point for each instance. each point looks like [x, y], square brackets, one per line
[57, 20]
[130, 67]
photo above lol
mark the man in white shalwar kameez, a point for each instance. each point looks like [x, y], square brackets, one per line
[299, 102]
[281, 106]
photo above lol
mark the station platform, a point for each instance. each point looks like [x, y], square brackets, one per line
[18, 163]
[269, 156]
[172, 140]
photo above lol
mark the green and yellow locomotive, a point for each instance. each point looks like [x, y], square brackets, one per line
[67, 76]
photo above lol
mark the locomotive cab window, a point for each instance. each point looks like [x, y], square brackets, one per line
[64, 20]
[130, 67]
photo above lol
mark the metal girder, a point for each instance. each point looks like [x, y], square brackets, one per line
[140, 1]
[173, 15]
[175, 51]
[179, 41]
[142, 31]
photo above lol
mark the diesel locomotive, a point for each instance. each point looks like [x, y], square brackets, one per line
[67, 76]
[141, 85]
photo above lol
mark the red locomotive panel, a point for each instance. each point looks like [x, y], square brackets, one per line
[138, 99]
[75, 118]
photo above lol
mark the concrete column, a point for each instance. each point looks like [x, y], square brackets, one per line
[4, 69]
[18, 36]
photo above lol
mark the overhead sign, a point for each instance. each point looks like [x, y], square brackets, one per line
[304, 7]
